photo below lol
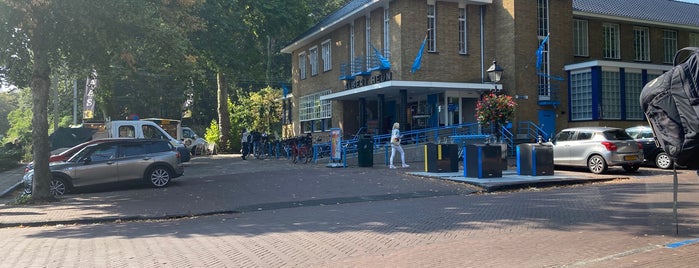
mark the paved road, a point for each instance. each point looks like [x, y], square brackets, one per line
[275, 214]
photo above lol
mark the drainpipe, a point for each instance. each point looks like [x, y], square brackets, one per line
[482, 44]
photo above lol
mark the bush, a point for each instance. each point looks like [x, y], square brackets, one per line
[9, 158]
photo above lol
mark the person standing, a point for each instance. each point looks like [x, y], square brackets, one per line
[395, 146]
[245, 143]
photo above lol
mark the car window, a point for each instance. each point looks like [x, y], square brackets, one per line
[131, 149]
[617, 134]
[645, 134]
[584, 135]
[103, 153]
[150, 132]
[186, 133]
[157, 147]
[564, 136]
[127, 132]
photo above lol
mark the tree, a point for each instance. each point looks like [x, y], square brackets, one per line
[81, 34]
[258, 110]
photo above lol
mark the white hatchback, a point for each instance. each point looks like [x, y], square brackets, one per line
[597, 148]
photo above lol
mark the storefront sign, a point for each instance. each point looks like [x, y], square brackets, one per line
[375, 79]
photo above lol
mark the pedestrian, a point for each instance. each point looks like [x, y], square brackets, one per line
[395, 146]
[255, 145]
[245, 143]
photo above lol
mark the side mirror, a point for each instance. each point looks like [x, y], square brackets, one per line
[87, 160]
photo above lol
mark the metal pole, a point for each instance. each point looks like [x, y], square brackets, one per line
[75, 101]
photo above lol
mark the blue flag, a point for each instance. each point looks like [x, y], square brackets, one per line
[385, 63]
[285, 90]
[418, 58]
[539, 53]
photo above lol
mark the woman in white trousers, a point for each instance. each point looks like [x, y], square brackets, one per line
[395, 146]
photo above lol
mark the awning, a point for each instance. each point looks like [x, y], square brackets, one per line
[391, 89]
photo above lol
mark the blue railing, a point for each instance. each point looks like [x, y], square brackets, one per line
[532, 131]
[358, 67]
[419, 136]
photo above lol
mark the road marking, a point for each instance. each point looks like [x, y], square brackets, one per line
[682, 243]
[615, 256]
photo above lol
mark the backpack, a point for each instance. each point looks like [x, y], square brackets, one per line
[671, 105]
[249, 138]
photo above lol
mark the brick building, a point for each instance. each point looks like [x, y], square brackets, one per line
[354, 69]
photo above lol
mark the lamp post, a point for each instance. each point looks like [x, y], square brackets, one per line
[495, 74]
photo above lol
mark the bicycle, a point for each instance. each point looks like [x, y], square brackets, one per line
[300, 150]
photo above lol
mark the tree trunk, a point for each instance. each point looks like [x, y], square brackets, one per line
[224, 118]
[40, 84]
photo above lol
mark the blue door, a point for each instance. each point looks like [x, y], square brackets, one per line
[547, 122]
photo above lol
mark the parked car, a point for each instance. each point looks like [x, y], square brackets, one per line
[65, 155]
[597, 148]
[154, 161]
[651, 152]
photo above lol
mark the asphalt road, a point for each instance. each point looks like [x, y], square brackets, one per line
[269, 213]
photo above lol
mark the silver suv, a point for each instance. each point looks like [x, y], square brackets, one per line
[597, 148]
[154, 161]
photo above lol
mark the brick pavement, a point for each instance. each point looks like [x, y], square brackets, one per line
[311, 216]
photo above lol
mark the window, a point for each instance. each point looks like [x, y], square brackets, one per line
[104, 153]
[565, 136]
[367, 38]
[641, 43]
[313, 58]
[351, 47]
[542, 13]
[610, 48]
[694, 39]
[634, 84]
[580, 45]
[302, 65]
[463, 30]
[431, 27]
[669, 46]
[386, 30]
[611, 101]
[127, 132]
[150, 132]
[543, 31]
[581, 96]
[327, 56]
[128, 150]
[313, 112]
[583, 135]
[311, 107]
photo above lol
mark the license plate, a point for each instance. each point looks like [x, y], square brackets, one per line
[630, 158]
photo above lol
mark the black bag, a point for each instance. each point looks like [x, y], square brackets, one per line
[671, 105]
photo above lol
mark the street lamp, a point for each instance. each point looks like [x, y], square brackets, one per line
[495, 74]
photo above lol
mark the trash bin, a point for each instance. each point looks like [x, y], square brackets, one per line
[483, 161]
[365, 151]
[534, 159]
[441, 157]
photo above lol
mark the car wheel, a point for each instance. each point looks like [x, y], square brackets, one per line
[159, 176]
[662, 160]
[58, 186]
[631, 168]
[596, 164]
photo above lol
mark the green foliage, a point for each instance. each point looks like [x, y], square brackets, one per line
[8, 103]
[259, 110]
[212, 132]
[10, 155]
[495, 110]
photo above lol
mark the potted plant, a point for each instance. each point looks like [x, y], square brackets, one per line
[493, 111]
